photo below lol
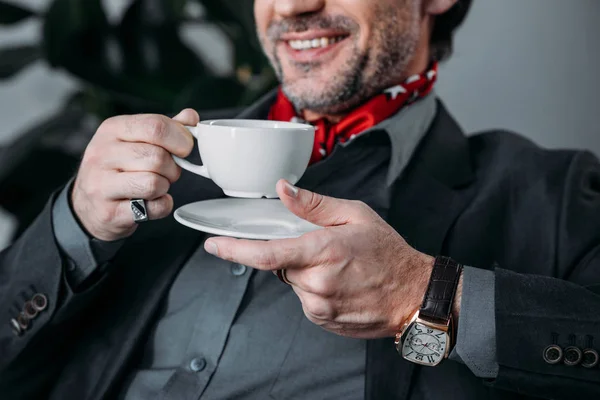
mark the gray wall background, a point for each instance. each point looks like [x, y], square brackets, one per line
[530, 66]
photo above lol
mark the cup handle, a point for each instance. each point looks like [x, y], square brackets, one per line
[185, 164]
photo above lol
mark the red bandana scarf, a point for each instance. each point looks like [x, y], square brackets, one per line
[369, 114]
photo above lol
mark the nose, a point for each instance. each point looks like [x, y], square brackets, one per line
[294, 8]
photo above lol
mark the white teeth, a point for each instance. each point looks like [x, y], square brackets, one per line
[314, 43]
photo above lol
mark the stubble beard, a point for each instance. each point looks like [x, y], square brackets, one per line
[365, 73]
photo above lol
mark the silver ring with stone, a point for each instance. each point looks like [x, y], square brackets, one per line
[139, 210]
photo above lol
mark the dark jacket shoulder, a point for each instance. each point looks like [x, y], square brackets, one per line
[531, 203]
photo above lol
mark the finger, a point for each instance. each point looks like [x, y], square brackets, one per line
[317, 309]
[187, 117]
[321, 280]
[142, 157]
[136, 185]
[322, 210]
[154, 129]
[270, 255]
[282, 275]
[290, 274]
[156, 209]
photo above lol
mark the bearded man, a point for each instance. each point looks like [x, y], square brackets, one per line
[447, 267]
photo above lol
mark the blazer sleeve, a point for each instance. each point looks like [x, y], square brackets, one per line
[38, 311]
[563, 309]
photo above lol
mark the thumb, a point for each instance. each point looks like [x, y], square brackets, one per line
[318, 209]
[187, 117]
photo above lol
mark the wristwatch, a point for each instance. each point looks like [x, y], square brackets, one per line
[428, 336]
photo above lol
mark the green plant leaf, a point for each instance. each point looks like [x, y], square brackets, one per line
[154, 12]
[174, 8]
[12, 14]
[15, 59]
[75, 28]
[153, 51]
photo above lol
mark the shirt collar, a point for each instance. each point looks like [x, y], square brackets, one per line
[405, 129]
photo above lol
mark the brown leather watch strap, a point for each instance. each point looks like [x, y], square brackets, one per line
[437, 303]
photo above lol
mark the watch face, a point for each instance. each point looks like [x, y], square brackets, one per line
[424, 345]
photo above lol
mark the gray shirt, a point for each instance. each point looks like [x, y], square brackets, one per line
[227, 331]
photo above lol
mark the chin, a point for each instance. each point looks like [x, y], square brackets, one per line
[315, 88]
[320, 98]
[304, 88]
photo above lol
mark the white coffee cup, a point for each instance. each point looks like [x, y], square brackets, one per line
[246, 158]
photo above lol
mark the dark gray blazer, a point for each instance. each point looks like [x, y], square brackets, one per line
[493, 200]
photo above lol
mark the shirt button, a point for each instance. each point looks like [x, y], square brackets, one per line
[197, 364]
[238, 269]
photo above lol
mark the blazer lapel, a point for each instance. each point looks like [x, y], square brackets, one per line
[426, 201]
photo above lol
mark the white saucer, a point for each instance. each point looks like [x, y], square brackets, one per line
[244, 218]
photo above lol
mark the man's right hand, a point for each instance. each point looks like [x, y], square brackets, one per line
[128, 158]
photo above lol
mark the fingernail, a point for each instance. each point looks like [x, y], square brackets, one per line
[211, 248]
[290, 189]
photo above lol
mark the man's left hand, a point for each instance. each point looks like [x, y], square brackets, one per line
[356, 277]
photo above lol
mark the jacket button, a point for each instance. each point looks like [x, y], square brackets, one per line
[573, 356]
[23, 321]
[198, 364]
[553, 354]
[16, 328]
[40, 302]
[29, 310]
[238, 269]
[590, 358]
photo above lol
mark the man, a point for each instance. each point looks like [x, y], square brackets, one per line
[98, 306]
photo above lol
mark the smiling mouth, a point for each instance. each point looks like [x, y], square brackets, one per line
[316, 43]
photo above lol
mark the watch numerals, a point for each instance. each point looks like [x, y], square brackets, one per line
[424, 345]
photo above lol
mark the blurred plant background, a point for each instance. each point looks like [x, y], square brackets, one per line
[139, 63]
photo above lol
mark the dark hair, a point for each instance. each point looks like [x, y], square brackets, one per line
[444, 27]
